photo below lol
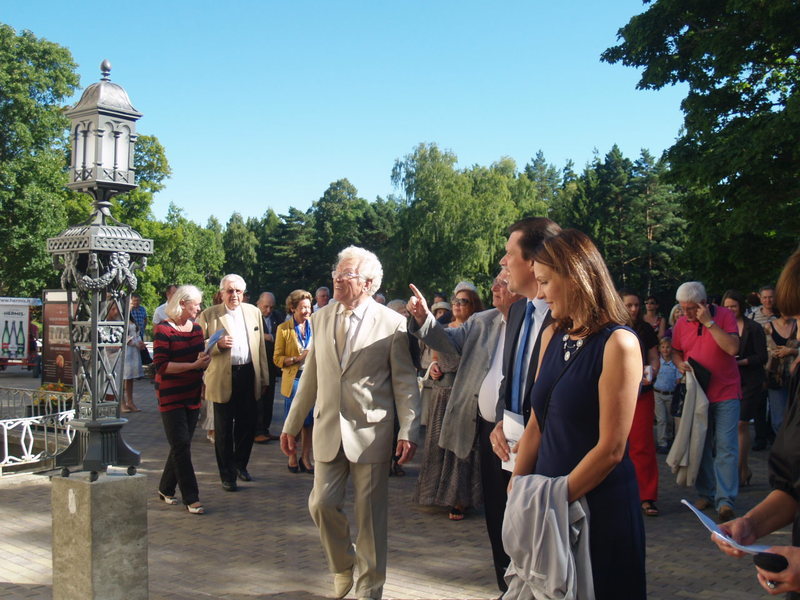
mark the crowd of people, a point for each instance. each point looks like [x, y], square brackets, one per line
[555, 401]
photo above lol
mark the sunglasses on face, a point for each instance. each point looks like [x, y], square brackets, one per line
[461, 301]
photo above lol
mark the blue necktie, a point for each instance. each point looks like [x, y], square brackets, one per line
[518, 385]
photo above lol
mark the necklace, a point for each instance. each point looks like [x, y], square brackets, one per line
[570, 346]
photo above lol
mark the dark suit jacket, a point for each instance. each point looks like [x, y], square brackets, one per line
[271, 323]
[515, 317]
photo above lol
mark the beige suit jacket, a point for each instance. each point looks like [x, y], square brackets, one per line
[218, 375]
[355, 405]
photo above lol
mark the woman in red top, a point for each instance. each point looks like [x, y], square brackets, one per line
[179, 362]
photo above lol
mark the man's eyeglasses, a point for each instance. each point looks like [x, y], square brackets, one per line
[344, 276]
[233, 291]
[461, 301]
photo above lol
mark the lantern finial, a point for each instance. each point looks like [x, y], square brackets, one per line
[105, 70]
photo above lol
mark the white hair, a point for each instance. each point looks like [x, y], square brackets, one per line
[183, 293]
[232, 277]
[691, 291]
[368, 265]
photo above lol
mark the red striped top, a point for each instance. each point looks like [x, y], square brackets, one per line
[177, 390]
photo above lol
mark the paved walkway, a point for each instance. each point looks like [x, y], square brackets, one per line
[260, 543]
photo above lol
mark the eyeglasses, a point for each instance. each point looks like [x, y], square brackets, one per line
[344, 276]
[461, 301]
[233, 291]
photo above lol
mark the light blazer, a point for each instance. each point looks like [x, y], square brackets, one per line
[476, 342]
[287, 346]
[218, 375]
[355, 405]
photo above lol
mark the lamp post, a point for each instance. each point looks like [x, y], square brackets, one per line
[98, 259]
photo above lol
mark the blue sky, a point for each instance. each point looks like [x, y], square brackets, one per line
[262, 104]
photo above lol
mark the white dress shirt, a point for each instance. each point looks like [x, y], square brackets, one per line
[539, 312]
[240, 351]
[490, 388]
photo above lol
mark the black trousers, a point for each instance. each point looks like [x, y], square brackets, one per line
[495, 485]
[234, 424]
[179, 426]
[264, 406]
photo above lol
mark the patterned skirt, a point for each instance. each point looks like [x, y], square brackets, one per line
[444, 479]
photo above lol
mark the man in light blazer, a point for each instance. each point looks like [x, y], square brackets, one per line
[237, 375]
[472, 408]
[359, 372]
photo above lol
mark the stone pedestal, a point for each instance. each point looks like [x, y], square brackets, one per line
[99, 537]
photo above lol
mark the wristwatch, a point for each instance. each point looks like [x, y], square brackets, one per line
[710, 324]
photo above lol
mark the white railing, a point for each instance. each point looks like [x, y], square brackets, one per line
[35, 426]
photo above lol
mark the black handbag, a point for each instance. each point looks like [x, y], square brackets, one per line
[146, 358]
[678, 396]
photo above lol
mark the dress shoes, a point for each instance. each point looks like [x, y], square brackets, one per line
[703, 503]
[342, 583]
[725, 514]
[230, 486]
[244, 475]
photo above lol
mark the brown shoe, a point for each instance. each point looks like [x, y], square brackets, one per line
[261, 439]
[703, 503]
[725, 514]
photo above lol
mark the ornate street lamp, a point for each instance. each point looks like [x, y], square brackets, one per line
[98, 259]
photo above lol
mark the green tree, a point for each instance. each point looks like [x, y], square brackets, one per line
[240, 248]
[739, 152]
[452, 225]
[35, 77]
[338, 218]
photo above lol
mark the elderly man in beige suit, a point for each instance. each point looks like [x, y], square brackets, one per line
[360, 373]
[237, 375]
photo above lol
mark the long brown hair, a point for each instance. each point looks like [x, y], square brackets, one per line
[787, 292]
[591, 297]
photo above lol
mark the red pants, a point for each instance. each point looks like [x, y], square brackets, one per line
[642, 447]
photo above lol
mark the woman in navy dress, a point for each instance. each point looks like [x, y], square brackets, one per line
[580, 421]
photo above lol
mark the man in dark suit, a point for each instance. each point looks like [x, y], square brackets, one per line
[527, 318]
[272, 317]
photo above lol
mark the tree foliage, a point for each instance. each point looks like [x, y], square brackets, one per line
[35, 77]
[739, 152]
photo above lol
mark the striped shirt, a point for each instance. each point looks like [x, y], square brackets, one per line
[177, 390]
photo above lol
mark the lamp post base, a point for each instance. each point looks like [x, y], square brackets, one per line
[100, 537]
[96, 445]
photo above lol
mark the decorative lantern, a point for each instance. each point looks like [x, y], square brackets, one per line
[98, 260]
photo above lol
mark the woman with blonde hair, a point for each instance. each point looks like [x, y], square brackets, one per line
[179, 360]
[583, 403]
[292, 343]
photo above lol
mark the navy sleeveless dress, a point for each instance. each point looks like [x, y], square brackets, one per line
[572, 424]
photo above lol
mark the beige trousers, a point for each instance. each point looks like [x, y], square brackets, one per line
[371, 497]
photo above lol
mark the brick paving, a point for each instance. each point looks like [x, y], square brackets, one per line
[260, 543]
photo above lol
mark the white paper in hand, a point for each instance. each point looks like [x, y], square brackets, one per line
[513, 426]
[214, 339]
[717, 532]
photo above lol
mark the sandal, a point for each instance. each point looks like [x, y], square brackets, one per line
[196, 508]
[649, 509]
[456, 514]
[171, 500]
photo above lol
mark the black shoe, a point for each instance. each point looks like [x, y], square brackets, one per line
[230, 486]
[244, 475]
